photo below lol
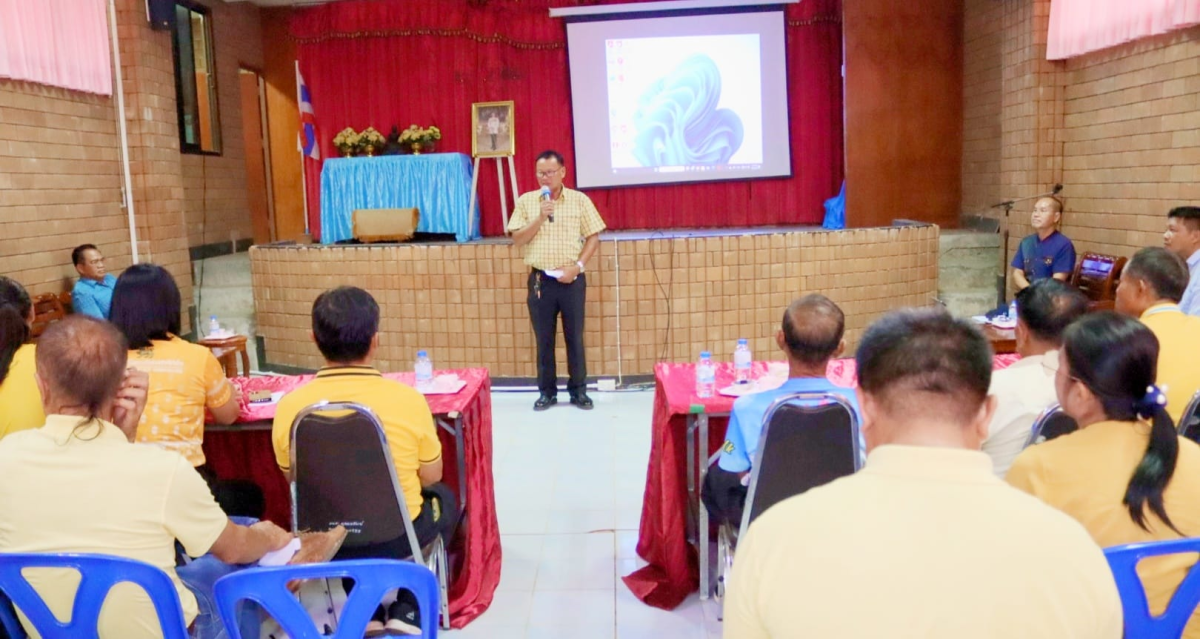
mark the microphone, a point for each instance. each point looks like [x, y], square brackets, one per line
[546, 198]
[1057, 188]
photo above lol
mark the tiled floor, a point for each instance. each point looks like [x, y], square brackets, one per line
[569, 496]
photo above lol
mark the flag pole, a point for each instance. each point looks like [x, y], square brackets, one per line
[300, 148]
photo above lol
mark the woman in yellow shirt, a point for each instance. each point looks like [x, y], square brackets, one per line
[1126, 475]
[20, 401]
[185, 379]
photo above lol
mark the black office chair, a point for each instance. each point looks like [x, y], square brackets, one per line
[1189, 422]
[1053, 422]
[342, 473]
[808, 440]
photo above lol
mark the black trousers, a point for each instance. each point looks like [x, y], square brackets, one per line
[237, 497]
[723, 495]
[547, 299]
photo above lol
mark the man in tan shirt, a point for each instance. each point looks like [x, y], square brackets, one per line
[79, 484]
[560, 230]
[925, 541]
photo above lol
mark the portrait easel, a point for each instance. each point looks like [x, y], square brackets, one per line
[512, 172]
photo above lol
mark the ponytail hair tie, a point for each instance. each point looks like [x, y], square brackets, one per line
[1155, 400]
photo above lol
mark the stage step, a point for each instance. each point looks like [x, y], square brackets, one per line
[223, 288]
[967, 264]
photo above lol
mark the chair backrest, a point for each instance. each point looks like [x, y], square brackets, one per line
[67, 302]
[1189, 422]
[342, 473]
[47, 309]
[99, 573]
[1053, 422]
[1138, 621]
[1096, 275]
[373, 578]
[808, 439]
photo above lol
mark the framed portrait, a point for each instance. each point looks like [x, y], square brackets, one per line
[492, 129]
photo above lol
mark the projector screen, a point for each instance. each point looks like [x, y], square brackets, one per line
[682, 98]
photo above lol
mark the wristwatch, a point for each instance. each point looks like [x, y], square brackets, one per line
[580, 265]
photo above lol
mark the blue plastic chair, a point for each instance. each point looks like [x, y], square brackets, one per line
[1138, 621]
[99, 573]
[373, 578]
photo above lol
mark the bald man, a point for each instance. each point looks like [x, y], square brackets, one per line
[1045, 253]
[811, 335]
[79, 484]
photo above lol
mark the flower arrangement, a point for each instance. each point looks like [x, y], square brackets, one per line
[371, 140]
[346, 141]
[418, 138]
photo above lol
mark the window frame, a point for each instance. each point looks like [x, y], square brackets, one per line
[195, 148]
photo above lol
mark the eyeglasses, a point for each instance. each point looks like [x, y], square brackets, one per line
[547, 174]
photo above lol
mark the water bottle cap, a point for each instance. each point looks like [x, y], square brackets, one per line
[421, 354]
[705, 355]
[212, 317]
[743, 342]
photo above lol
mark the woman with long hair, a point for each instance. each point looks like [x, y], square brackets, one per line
[185, 379]
[1126, 474]
[20, 401]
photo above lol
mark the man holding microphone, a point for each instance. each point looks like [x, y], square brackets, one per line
[560, 230]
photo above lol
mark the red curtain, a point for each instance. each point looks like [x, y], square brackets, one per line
[384, 62]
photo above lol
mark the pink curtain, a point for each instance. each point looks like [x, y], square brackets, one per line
[62, 43]
[1081, 26]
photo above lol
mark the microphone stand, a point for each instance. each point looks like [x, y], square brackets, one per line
[1002, 279]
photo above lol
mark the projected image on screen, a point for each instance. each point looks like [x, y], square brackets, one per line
[691, 101]
[671, 98]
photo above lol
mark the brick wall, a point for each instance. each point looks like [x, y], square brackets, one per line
[466, 303]
[60, 183]
[215, 203]
[1119, 128]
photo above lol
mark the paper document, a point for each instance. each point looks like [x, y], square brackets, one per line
[282, 556]
[555, 273]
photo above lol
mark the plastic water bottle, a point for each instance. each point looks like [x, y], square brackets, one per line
[706, 376]
[424, 370]
[742, 357]
[214, 327]
[1012, 310]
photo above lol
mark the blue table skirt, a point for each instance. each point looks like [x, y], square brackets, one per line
[439, 184]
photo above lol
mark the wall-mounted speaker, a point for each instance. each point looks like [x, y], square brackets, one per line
[161, 14]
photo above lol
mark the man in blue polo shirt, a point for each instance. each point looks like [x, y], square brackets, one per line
[811, 335]
[93, 292]
[1045, 253]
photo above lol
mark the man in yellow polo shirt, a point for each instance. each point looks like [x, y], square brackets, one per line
[79, 484]
[560, 230]
[345, 324]
[1151, 286]
[925, 540]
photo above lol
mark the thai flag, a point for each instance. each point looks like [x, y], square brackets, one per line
[308, 122]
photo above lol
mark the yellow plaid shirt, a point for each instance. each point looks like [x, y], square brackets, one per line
[559, 243]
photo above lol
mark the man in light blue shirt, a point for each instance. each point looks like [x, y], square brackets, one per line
[1183, 239]
[811, 335]
[93, 292]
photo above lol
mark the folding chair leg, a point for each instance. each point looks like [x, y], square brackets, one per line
[438, 562]
[724, 566]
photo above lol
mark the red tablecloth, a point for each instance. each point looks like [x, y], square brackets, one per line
[249, 455]
[673, 571]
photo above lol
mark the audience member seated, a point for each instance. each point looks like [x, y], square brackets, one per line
[1183, 239]
[1045, 253]
[1026, 389]
[1125, 474]
[811, 335]
[1150, 289]
[925, 541]
[93, 293]
[345, 324]
[77, 484]
[185, 379]
[20, 403]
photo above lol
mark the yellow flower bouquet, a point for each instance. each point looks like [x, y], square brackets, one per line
[420, 139]
[346, 141]
[371, 140]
